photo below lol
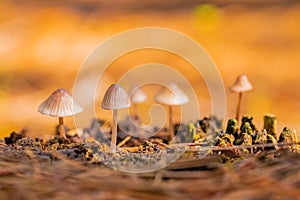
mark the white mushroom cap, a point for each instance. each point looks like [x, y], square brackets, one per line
[241, 84]
[138, 96]
[59, 104]
[115, 98]
[173, 96]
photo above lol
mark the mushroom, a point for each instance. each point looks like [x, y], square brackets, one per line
[115, 98]
[137, 96]
[60, 104]
[171, 97]
[240, 86]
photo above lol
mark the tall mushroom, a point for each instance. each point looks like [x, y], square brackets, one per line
[60, 104]
[240, 86]
[115, 98]
[171, 96]
[137, 96]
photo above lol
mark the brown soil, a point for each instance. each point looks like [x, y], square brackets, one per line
[27, 172]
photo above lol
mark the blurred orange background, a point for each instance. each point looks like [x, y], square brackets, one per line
[43, 43]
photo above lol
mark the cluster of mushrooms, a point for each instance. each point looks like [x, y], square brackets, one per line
[61, 104]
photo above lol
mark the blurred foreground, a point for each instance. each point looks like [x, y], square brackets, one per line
[27, 176]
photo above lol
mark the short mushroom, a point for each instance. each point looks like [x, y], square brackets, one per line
[240, 86]
[171, 96]
[137, 96]
[60, 104]
[115, 98]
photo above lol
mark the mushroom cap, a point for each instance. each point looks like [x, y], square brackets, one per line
[241, 84]
[137, 96]
[60, 104]
[115, 98]
[172, 97]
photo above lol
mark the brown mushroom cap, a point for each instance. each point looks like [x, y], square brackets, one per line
[138, 96]
[172, 97]
[115, 98]
[59, 104]
[241, 84]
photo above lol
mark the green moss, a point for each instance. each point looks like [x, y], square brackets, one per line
[261, 137]
[225, 140]
[245, 136]
[232, 127]
[248, 119]
[270, 124]
[286, 135]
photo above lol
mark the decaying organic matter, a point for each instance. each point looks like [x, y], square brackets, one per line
[68, 172]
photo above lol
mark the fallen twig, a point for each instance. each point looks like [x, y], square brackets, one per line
[124, 141]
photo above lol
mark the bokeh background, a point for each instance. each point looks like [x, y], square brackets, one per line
[43, 43]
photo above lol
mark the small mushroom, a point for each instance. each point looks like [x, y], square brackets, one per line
[171, 97]
[115, 98]
[240, 86]
[137, 96]
[60, 104]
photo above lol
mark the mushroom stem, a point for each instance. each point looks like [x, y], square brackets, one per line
[114, 131]
[239, 106]
[61, 127]
[134, 109]
[171, 124]
[60, 121]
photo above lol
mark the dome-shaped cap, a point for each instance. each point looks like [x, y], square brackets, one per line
[138, 96]
[173, 96]
[241, 84]
[59, 104]
[115, 98]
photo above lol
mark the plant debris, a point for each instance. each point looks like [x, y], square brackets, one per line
[230, 164]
